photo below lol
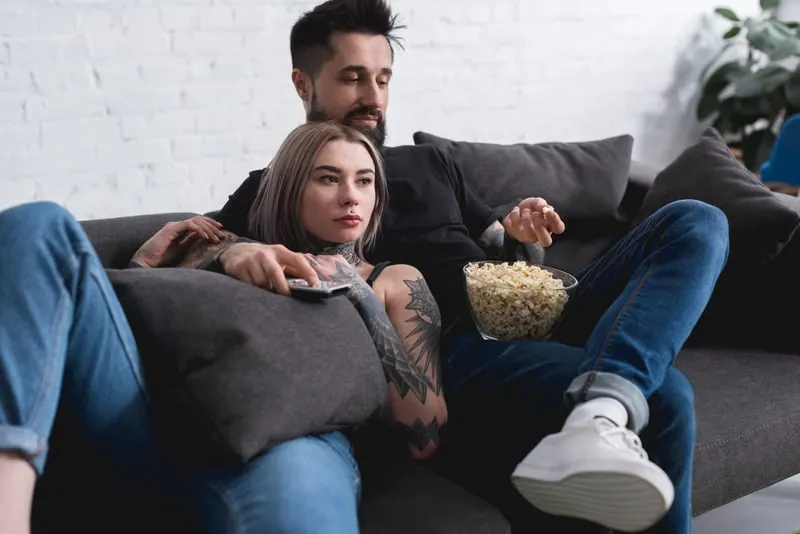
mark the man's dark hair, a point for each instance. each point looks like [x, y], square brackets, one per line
[310, 41]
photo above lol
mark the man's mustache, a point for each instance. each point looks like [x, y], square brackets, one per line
[365, 112]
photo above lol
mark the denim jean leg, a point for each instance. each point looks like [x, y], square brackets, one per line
[669, 440]
[636, 305]
[503, 398]
[64, 338]
[309, 485]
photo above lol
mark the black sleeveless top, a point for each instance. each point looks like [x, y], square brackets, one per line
[376, 272]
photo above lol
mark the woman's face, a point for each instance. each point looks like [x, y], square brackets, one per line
[340, 195]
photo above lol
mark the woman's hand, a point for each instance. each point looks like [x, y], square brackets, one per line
[267, 266]
[166, 246]
[333, 268]
[336, 269]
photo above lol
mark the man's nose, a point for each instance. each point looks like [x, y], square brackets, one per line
[372, 96]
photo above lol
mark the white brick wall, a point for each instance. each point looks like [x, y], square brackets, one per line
[116, 107]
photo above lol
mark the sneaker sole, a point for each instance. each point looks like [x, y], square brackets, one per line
[615, 500]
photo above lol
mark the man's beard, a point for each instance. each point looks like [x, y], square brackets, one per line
[377, 135]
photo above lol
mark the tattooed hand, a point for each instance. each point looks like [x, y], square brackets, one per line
[337, 269]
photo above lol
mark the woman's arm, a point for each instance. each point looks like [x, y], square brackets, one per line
[415, 316]
[411, 365]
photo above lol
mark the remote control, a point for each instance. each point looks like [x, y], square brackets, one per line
[325, 290]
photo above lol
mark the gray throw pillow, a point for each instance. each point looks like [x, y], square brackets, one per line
[580, 179]
[234, 369]
[760, 224]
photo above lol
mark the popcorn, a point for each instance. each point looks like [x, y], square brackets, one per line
[514, 300]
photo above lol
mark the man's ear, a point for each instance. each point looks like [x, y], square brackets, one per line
[302, 85]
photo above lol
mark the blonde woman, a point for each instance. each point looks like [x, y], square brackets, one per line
[318, 208]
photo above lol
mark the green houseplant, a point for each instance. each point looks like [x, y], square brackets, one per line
[754, 83]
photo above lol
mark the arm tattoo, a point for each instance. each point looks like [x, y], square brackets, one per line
[200, 254]
[428, 327]
[421, 435]
[398, 368]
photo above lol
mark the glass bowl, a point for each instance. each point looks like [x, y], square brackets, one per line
[516, 300]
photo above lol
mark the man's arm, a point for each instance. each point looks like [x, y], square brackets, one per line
[203, 254]
[497, 244]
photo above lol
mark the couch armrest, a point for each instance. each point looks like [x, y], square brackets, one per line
[790, 200]
[116, 239]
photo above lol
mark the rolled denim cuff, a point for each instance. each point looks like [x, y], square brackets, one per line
[27, 443]
[594, 384]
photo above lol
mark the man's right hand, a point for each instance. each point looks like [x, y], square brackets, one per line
[166, 246]
[266, 266]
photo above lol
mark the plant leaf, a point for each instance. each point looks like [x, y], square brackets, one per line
[710, 95]
[761, 81]
[733, 32]
[766, 5]
[727, 13]
[773, 38]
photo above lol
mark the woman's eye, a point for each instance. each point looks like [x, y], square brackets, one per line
[365, 181]
[328, 179]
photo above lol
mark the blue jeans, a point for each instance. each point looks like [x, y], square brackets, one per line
[633, 310]
[65, 341]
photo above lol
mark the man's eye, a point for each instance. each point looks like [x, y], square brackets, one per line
[350, 80]
[383, 83]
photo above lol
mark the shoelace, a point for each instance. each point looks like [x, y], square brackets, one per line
[622, 438]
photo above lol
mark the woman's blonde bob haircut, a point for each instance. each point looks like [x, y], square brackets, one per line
[275, 215]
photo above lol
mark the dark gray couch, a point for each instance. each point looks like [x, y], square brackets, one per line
[747, 407]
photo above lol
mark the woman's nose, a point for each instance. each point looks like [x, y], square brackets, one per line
[348, 196]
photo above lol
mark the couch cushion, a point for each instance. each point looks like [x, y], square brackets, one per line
[235, 369]
[760, 224]
[748, 421]
[584, 241]
[403, 497]
[580, 179]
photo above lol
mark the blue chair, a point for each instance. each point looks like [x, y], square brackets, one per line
[783, 165]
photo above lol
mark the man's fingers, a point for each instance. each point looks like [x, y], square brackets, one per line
[533, 204]
[554, 222]
[206, 230]
[539, 229]
[198, 229]
[514, 218]
[212, 227]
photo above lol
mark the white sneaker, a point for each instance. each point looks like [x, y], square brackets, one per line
[596, 471]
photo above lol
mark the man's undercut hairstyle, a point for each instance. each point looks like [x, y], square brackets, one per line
[310, 40]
